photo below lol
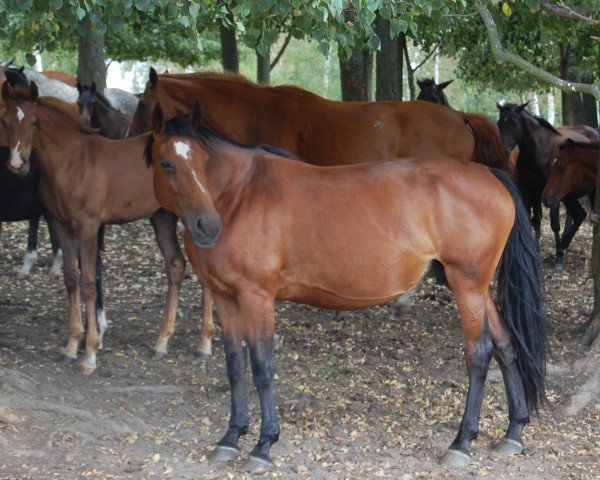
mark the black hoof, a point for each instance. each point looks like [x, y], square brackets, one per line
[456, 459]
[159, 355]
[256, 465]
[69, 360]
[510, 447]
[224, 454]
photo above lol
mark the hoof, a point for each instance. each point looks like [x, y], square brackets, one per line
[69, 360]
[224, 454]
[510, 447]
[159, 355]
[456, 459]
[87, 369]
[256, 465]
[21, 276]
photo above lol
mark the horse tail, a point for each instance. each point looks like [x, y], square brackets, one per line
[488, 143]
[519, 298]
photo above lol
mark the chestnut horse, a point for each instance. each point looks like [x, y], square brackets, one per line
[573, 173]
[100, 181]
[261, 227]
[320, 131]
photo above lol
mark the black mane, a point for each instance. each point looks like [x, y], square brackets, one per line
[207, 138]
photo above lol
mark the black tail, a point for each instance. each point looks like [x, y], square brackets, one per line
[520, 298]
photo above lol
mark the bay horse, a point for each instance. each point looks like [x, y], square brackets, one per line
[19, 199]
[99, 182]
[433, 92]
[320, 131]
[261, 227]
[573, 173]
[96, 110]
[538, 143]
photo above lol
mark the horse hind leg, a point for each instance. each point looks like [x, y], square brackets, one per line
[518, 412]
[471, 302]
[31, 256]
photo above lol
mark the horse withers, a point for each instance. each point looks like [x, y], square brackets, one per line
[261, 227]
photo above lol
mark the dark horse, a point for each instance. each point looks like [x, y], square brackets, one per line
[433, 92]
[19, 199]
[538, 143]
[261, 227]
[96, 110]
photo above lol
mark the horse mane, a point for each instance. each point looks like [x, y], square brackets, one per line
[207, 138]
[59, 108]
[579, 144]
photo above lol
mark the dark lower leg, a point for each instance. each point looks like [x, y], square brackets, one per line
[263, 369]
[478, 360]
[236, 358]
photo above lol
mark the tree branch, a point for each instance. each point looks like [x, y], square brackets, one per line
[503, 57]
[280, 53]
[562, 10]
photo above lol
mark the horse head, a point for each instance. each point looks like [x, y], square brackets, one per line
[180, 180]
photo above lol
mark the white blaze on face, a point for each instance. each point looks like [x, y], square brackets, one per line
[182, 149]
[16, 161]
[20, 114]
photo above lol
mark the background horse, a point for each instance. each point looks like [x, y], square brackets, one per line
[573, 173]
[261, 227]
[320, 131]
[96, 110]
[19, 199]
[538, 143]
[433, 92]
[110, 187]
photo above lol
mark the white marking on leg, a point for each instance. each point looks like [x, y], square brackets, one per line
[102, 325]
[30, 258]
[16, 161]
[20, 114]
[182, 149]
[57, 263]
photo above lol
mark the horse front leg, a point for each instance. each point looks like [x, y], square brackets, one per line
[88, 251]
[165, 229]
[234, 343]
[71, 278]
[31, 255]
[555, 225]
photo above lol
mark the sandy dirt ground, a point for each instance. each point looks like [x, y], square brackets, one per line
[371, 396]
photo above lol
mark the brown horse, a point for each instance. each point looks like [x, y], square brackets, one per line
[322, 132]
[261, 227]
[88, 181]
[573, 173]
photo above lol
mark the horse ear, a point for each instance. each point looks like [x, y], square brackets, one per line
[153, 77]
[79, 87]
[441, 86]
[196, 117]
[522, 107]
[158, 121]
[33, 91]
[6, 91]
[93, 88]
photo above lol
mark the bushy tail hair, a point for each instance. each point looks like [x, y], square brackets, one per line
[519, 299]
[488, 143]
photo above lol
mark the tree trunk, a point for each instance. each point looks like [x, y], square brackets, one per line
[387, 78]
[263, 68]
[90, 66]
[229, 50]
[410, 73]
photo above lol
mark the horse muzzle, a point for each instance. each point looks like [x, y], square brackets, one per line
[17, 163]
[205, 229]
